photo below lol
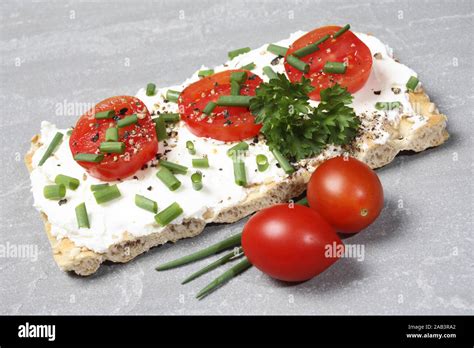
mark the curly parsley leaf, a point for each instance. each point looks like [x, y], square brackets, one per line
[292, 126]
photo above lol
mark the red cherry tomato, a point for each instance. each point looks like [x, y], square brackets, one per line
[229, 123]
[289, 243]
[346, 48]
[140, 140]
[347, 193]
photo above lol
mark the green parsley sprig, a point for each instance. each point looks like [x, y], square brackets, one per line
[295, 128]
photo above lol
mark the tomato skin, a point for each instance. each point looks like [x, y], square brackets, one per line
[195, 97]
[288, 243]
[347, 193]
[90, 132]
[346, 47]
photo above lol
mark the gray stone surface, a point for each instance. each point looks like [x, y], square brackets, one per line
[418, 255]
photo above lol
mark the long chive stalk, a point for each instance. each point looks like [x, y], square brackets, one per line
[58, 137]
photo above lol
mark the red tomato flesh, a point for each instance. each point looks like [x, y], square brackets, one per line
[347, 193]
[226, 123]
[140, 140]
[346, 48]
[289, 242]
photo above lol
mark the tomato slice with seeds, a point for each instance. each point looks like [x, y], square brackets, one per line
[141, 143]
[226, 123]
[347, 48]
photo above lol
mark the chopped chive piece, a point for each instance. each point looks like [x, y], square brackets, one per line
[146, 203]
[234, 100]
[160, 128]
[412, 83]
[240, 175]
[168, 178]
[278, 50]
[112, 147]
[284, 164]
[150, 89]
[238, 76]
[174, 167]
[321, 40]
[334, 68]
[303, 201]
[106, 194]
[242, 146]
[127, 121]
[170, 117]
[388, 105]
[262, 162]
[237, 52]
[190, 147]
[51, 147]
[341, 31]
[249, 66]
[81, 216]
[225, 277]
[204, 73]
[69, 132]
[98, 187]
[111, 134]
[234, 88]
[69, 182]
[167, 215]
[201, 162]
[196, 180]
[89, 157]
[297, 64]
[54, 192]
[227, 243]
[104, 115]
[172, 95]
[219, 262]
[270, 73]
[209, 108]
[304, 51]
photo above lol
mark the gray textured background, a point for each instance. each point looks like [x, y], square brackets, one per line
[418, 255]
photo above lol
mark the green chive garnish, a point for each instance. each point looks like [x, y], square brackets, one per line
[106, 194]
[412, 83]
[334, 68]
[234, 100]
[270, 73]
[249, 66]
[172, 95]
[111, 134]
[168, 178]
[240, 175]
[237, 52]
[51, 147]
[127, 121]
[284, 164]
[54, 192]
[341, 31]
[227, 243]
[190, 147]
[278, 50]
[236, 149]
[150, 89]
[69, 132]
[388, 105]
[225, 277]
[297, 64]
[204, 73]
[209, 108]
[69, 182]
[219, 262]
[196, 180]
[234, 88]
[112, 147]
[304, 51]
[146, 203]
[303, 201]
[238, 76]
[89, 157]
[167, 215]
[174, 167]
[170, 117]
[200, 162]
[160, 128]
[98, 187]
[104, 115]
[262, 162]
[81, 216]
